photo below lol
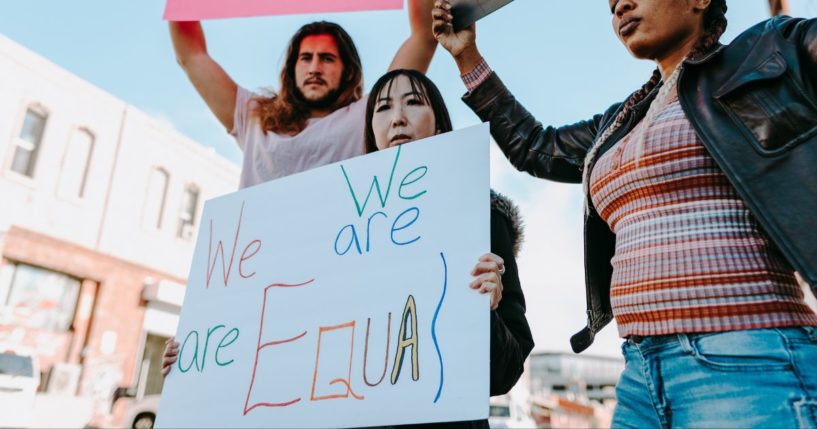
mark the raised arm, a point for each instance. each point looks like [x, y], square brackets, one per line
[553, 153]
[417, 50]
[210, 80]
[547, 152]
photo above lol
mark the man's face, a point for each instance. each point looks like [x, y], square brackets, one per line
[319, 69]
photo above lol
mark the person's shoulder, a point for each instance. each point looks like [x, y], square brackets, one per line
[792, 27]
[503, 207]
[353, 109]
[782, 25]
[254, 98]
[359, 104]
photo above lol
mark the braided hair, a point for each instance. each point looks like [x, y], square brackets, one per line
[714, 26]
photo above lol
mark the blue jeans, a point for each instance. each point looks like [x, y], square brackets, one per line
[751, 378]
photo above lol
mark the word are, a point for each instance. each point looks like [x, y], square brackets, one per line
[349, 235]
[193, 339]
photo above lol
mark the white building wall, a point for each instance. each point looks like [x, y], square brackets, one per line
[35, 203]
[148, 144]
[128, 144]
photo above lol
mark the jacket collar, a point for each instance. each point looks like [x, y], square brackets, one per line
[645, 102]
[716, 50]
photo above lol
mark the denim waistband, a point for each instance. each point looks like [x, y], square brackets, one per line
[658, 342]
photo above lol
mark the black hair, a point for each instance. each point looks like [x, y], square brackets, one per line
[419, 83]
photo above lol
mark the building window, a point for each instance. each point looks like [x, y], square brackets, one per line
[156, 198]
[187, 214]
[76, 164]
[28, 142]
[150, 381]
[38, 298]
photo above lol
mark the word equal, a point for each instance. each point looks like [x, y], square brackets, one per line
[407, 340]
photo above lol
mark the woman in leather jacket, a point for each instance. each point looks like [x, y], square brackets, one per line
[403, 106]
[699, 201]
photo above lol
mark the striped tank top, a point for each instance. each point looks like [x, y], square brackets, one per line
[689, 255]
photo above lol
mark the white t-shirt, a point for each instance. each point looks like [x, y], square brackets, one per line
[335, 137]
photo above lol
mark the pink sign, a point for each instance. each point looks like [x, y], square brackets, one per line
[195, 10]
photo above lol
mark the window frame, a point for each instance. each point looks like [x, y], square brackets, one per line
[83, 183]
[17, 142]
[8, 308]
[159, 217]
[182, 221]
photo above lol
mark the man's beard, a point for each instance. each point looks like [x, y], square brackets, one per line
[326, 101]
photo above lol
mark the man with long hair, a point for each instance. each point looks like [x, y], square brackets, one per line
[316, 117]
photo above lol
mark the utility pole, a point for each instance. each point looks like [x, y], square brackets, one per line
[779, 7]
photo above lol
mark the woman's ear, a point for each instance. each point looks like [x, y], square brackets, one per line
[701, 5]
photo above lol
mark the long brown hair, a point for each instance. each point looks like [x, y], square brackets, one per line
[287, 112]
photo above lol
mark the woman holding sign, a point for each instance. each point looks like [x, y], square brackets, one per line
[403, 106]
[700, 190]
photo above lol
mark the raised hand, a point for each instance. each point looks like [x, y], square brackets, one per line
[459, 43]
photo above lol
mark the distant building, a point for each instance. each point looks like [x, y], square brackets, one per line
[572, 390]
[574, 375]
[100, 210]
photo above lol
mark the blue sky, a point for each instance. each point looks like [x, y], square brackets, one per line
[567, 64]
[560, 58]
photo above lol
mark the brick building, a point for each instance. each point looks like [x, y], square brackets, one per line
[100, 209]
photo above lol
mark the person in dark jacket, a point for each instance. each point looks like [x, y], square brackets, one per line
[403, 106]
[700, 199]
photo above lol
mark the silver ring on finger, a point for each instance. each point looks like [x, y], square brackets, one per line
[502, 271]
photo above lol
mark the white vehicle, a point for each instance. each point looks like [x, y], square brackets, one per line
[505, 413]
[19, 380]
[141, 414]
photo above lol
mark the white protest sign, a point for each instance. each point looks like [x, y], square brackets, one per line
[339, 297]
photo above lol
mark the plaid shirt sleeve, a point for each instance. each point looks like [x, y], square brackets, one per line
[476, 76]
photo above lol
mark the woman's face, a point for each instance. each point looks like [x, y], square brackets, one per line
[654, 29]
[401, 114]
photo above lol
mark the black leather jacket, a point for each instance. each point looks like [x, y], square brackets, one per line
[753, 103]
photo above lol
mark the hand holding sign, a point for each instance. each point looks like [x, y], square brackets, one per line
[337, 297]
[467, 12]
[461, 44]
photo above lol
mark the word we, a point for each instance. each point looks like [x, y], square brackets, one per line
[250, 250]
[349, 235]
